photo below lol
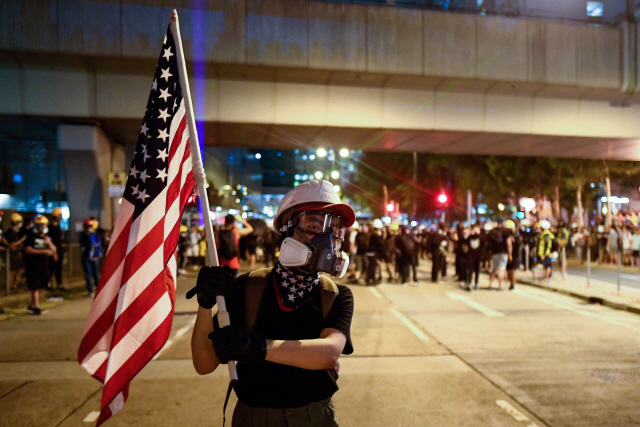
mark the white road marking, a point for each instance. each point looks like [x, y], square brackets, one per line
[475, 305]
[376, 293]
[409, 324]
[569, 307]
[611, 286]
[630, 277]
[511, 410]
[91, 417]
[179, 333]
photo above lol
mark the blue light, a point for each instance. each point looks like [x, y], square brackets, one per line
[520, 215]
[279, 154]
[258, 156]
[17, 178]
[281, 173]
[296, 176]
[304, 157]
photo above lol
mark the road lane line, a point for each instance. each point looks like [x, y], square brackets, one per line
[91, 417]
[179, 333]
[630, 277]
[517, 415]
[409, 324]
[475, 305]
[575, 310]
[376, 293]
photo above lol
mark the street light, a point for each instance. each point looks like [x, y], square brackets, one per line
[335, 174]
[500, 207]
[321, 152]
[344, 152]
[318, 175]
[442, 198]
[390, 207]
[258, 156]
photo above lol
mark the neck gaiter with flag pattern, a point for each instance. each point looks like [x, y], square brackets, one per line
[294, 288]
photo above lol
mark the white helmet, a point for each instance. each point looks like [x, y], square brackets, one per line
[319, 195]
[545, 225]
[524, 222]
[488, 226]
[377, 223]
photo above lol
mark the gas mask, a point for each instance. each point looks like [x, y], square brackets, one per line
[41, 229]
[317, 254]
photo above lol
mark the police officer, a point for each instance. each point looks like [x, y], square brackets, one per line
[289, 324]
[37, 250]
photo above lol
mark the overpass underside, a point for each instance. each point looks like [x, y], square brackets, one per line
[295, 74]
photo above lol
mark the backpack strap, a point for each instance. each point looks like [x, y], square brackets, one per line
[253, 290]
[328, 293]
[256, 283]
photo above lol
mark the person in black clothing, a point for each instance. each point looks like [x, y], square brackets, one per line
[406, 244]
[12, 239]
[438, 242]
[362, 242]
[290, 324]
[514, 258]
[56, 235]
[477, 247]
[463, 253]
[37, 250]
[375, 252]
[270, 241]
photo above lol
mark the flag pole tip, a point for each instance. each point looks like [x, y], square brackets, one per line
[174, 14]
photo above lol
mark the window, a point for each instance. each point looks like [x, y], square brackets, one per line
[594, 9]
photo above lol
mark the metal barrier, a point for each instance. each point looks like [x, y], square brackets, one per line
[12, 274]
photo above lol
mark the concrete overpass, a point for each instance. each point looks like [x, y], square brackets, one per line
[304, 73]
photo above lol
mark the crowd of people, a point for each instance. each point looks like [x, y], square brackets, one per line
[34, 251]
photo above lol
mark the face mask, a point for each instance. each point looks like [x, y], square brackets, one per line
[317, 254]
[41, 229]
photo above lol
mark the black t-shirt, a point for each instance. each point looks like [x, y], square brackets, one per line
[55, 233]
[266, 384]
[36, 262]
[361, 243]
[11, 235]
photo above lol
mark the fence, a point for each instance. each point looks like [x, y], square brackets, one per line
[12, 275]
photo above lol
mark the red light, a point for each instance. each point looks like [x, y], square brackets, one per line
[390, 207]
[442, 198]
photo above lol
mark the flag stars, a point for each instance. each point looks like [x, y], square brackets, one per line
[164, 94]
[163, 135]
[175, 104]
[144, 176]
[144, 128]
[134, 190]
[164, 115]
[154, 86]
[167, 53]
[134, 172]
[162, 155]
[166, 74]
[162, 174]
[143, 196]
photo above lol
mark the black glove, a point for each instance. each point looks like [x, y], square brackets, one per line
[212, 281]
[232, 343]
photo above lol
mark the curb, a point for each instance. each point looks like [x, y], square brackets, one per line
[591, 299]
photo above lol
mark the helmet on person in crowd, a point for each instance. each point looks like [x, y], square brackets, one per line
[56, 212]
[488, 226]
[601, 229]
[183, 228]
[314, 208]
[509, 224]
[377, 224]
[40, 223]
[16, 218]
[525, 222]
[88, 223]
[544, 224]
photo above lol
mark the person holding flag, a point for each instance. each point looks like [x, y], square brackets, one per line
[290, 323]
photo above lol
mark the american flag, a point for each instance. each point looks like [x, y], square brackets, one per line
[131, 315]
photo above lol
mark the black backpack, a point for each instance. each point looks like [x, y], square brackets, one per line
[496, 240]
[228, 248]
[408, 244]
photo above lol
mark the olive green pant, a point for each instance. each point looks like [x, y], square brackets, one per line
[316, 414]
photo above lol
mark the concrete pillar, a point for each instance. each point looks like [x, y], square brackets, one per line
[89, 155]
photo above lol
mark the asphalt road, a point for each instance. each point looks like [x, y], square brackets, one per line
[431, 355]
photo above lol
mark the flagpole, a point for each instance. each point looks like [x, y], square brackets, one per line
[199, 174]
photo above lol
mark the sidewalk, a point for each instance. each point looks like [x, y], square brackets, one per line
[597, 292]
